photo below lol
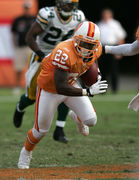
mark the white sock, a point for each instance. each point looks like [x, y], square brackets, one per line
[60, 123]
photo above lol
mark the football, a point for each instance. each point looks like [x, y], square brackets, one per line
[90, 76]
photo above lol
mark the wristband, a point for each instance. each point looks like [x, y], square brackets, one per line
[84, 92]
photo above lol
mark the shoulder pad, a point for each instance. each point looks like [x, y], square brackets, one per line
[45, 14]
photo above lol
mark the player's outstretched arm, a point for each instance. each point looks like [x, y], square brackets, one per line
[124, 49]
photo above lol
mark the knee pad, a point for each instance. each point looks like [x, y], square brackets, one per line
[91, 122]
[40, 134]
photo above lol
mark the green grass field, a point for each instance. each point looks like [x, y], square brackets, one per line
[114, 140]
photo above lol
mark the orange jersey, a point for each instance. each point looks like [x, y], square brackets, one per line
[137, 34]
[65, 58]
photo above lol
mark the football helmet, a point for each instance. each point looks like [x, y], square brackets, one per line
[66, 7]
[86, 39]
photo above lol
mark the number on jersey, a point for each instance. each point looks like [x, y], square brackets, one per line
[60, 59]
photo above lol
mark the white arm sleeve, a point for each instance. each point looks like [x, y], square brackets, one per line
[124, 49]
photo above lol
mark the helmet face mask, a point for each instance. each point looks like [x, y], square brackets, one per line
[85, 47]
[66, 7]
[86, 39]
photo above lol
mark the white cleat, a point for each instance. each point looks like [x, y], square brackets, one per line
[82, 128]
[24, 159]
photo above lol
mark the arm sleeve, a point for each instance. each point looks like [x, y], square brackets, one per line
[124, 49]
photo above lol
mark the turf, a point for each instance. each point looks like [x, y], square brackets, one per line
[114, 140]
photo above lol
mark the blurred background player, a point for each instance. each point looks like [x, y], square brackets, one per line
[127, 50]
[112, 33]
[52, 25]
[57, 83]
[22, 52]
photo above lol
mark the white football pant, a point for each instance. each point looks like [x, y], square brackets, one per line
[47, 105]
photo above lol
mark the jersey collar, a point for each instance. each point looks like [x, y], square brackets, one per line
[60, 19]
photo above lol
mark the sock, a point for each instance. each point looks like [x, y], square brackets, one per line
[62, 114]
[60, 123]
[31, 141]
[59, 128]
[25, 102]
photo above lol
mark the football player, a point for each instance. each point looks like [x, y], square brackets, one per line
[127, 50]
[52, 25]
[57, 84]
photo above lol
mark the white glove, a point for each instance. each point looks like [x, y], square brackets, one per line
[134, 103]
[97, 88]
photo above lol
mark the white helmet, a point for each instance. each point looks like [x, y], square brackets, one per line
[86, 39]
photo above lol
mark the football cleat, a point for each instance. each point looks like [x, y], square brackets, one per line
[59, 135]
[24, 159]
[18, 117]
[82, 128]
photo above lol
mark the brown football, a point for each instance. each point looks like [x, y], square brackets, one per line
[90, 76]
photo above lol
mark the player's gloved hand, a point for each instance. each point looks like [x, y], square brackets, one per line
[41, 55]
[134, 103]
[98, 88]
